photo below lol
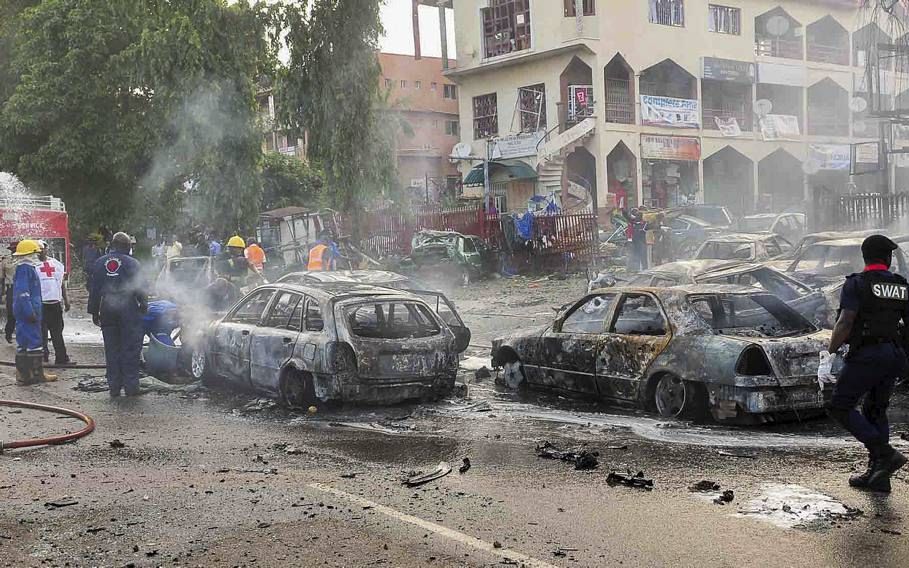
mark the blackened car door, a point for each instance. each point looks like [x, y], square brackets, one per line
[272, 343]
[230, 345]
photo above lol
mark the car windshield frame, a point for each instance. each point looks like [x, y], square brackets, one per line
[415, 309]
[787, 322]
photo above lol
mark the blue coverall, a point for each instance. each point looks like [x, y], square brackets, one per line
[118, 300]
[160, 321]
[27, 309]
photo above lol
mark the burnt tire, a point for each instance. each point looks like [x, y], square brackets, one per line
[200, 369]
[465, 277]
[513, 375]
[297, 390]
[677, 398]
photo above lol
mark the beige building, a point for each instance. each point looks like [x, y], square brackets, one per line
[746, 103]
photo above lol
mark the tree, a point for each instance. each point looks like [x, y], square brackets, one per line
[289, 181]
[112, 101]
[330, 89]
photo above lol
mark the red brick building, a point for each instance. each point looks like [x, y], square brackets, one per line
[429, 103]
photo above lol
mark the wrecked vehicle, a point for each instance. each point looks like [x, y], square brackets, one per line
[828, 262]
[753, 247]
[801, 297]
[305, 344]
[438, 301]
[180, 274]
[728, 351]
[790, 226]
[465, 255]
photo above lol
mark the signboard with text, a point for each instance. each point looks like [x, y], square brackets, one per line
[681, 148]
[671, 112]
[829, 156]
[518, 146]
[728, 70]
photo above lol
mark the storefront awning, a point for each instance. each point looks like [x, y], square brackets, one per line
[515, 169]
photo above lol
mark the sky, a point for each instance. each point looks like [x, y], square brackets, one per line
[396, 18]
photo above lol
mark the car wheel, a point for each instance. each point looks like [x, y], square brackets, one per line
[513, 375]
[465, 277]
[199, 368]
[297, 390]
[675, 398]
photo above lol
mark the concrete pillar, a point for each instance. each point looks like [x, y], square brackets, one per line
[757, 191]
[702, 193]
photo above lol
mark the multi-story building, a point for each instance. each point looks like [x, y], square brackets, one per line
[747, 103]
[275, 138]
[428, 102]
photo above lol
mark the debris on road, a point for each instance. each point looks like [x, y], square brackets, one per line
[581, 459]
[705, 485]
[729, 454]
[795, 506]
[390, 428]
[416, 478]
[116, 444]
[630, 480]
[95, 384]
[725, 497]
[465, 466]
[256, 405]
[52, 505]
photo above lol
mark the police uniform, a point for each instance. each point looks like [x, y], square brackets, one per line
[117, 300]
[876, 358]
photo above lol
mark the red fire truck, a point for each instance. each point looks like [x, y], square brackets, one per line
[39, 218]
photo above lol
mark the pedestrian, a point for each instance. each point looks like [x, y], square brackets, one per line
[872, 305]
[174, 248]
[158, 254]
[639, 240]
[117, 302]
[27, 309]
[255, 255]
[91, 252]
[54, 301]
[7, 274]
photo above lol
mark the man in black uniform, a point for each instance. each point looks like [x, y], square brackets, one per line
[872, 304]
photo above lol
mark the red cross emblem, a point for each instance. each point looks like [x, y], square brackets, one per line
[48, 269]
[112, 265]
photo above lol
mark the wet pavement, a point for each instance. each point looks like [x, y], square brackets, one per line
[203, 478]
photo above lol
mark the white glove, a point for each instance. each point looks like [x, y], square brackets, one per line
[825, 369]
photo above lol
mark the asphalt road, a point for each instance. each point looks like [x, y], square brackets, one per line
[203, 481]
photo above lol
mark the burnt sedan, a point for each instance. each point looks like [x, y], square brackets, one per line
[690, 351]
[304, 344]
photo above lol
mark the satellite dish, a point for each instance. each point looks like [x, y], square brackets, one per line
[811, 167]
[777, 26]
[858, 104]
[461, 150]
[859, 126]
[762, 107]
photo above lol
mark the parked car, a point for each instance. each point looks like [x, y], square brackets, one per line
[801, 297]
[730, 351]
[688, 234]
[754, 247]
[438, 301]
[715, 215]
[827, 262]
[184, 275]
[790, 226]
[812, 238]
[304, 344]
[466, 256]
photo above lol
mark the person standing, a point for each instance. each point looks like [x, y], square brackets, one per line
[91, 252]
[27, 309]
[175, 248]
[255, 255]
[54, 301]
[117, 301]
[7, 273]
[872, 305]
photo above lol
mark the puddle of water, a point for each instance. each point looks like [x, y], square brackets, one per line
[474, 363]
[790, 506]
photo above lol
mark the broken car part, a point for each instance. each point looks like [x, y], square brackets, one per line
[630, 480]
[582, 459]
[419, 478]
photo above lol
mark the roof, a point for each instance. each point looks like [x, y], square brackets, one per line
[339, 291]
[689, 289]
[694, 268]
[286, 212]
[372, 277]
[741, 237]
[516, 170]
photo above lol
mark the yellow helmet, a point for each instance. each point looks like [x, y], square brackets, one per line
[236, 241]
[26, 247]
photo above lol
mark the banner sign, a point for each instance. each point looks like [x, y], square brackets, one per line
[728, 126]
[667, 111]
[829, 156]
[728, 70]
[780, 127]
[779, 74]
[518, 146]
[682, 148]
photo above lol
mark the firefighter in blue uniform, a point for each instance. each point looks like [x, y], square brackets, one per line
[117, 301]
[873, 304]
[26, 292]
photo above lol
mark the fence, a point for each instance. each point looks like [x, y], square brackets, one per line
[863, 211]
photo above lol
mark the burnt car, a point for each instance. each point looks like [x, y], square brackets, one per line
[438, 301]
[733, 352]
[826, 263]
[184, 273]
[305, 344]
[790, 226]
[465, 257]
[806, 300]
[753, 247]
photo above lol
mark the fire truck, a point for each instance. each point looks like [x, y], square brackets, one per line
[40, 218]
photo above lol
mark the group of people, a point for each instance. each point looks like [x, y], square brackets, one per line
[36, 298]
[171, 247]
[649, 239]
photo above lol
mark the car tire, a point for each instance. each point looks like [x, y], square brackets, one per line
[297, 390]
[199, 367]
[677, 398]
[513, 375]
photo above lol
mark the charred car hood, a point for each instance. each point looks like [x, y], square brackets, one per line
[526, 333]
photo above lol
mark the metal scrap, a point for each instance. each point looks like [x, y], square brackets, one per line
[416, 478]
[581, 459]
[630, 480]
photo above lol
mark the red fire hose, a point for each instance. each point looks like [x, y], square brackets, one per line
[89, 426]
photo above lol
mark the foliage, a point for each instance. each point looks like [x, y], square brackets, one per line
[289, 181]
[330, 88]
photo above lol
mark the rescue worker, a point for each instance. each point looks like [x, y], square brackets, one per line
[117, 301]
[27, 309]
[255, 255]
[232, 264]
[320, 256]
[160, 321]
[872, 304]
[54, 301]
[7, 274]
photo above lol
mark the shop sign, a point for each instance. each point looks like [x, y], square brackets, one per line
[669, 111]
[777, 74]
[867, 153]
[829, 156]
[682, 148]
[728, 70]
[517, 146]
[780, 127]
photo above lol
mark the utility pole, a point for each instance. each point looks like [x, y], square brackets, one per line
[416, 30]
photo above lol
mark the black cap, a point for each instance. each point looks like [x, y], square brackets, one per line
[878, 247]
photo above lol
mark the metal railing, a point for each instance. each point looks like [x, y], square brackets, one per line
[619, 105]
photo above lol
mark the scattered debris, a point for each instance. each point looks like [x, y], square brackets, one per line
[116, 444]
[93, 384]
[482, 373]
[389, 428]
[562, 551]
[891, 531]
[256, 405]
[415, 479]
[496, 544]
[581, 459]
[736, 454]
[705, 485]
[795, 506]
[350, 475]
[465, 466]
[51, 505]
[725, 497]
[630, 480]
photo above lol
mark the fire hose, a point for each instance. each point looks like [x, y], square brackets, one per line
[52, 440]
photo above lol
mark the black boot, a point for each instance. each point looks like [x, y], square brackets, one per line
[886, 465]
[860, 480]
[24, 369]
